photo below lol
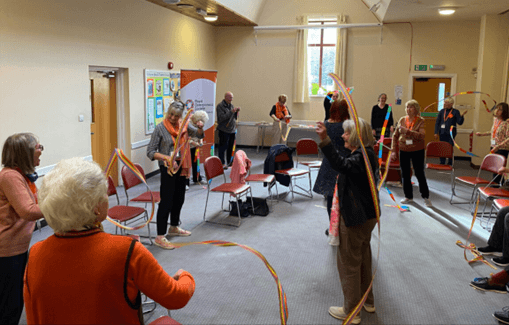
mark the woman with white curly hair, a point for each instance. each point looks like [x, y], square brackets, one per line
[82, 274]
[196, 135]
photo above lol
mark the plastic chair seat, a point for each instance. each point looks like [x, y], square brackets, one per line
[231, 188]
[292, 172]
[145, 197]
[501, 203]
[392, 165]
[164, 320]
[494, 192]
[472, 180]
[124, 213]
[265, 178]
[313, 164]
[439, 167]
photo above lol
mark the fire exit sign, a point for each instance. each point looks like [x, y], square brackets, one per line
[420, 67]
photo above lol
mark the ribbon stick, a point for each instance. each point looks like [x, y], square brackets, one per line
[401, 208]
[466, 93]
[118, 153]
[457, 146]
[283, 307]
[372, 184]
[172, 170]
[288, 128]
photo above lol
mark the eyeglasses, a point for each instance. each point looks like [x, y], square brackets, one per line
[40, 147]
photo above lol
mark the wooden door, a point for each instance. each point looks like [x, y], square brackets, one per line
[427, 91]
[103, 128]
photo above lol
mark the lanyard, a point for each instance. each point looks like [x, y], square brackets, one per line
[411, 125]
[448, 115]
[495, 127]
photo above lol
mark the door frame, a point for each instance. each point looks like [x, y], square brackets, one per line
[121, 98]
[415, 75]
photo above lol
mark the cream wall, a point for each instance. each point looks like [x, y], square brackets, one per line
[250, 9]
[48, 46]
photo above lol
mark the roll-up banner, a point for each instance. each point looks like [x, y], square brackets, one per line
[198, 92]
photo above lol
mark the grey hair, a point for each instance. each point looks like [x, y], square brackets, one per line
[200, 115]
[366, 133]
[414, 103]
[70, 192]
[449, 100]
[176, 108]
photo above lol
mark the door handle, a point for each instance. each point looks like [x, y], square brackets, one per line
[92, 133]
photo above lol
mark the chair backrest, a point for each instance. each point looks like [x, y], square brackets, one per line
[385, 151]
[282, 157]
[439, 149]
[112, 190]
[129, 178]
[307, 147]
[213, 167]
[493, 162]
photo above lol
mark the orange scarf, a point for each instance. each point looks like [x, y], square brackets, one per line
[281, 111]
[183, 143]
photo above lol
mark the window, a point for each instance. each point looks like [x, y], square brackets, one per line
[321, 56]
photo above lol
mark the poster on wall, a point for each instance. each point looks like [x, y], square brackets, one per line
[158, 96]
[198, 92]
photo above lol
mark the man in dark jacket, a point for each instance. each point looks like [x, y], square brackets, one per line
[227, 127]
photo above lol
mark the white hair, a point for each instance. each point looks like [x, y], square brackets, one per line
[449, 100]
[200, 116]
[70, 193]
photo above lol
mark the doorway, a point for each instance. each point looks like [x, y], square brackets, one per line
[103, 126]
[428, 89]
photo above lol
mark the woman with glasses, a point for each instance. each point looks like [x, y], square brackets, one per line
[18, 212]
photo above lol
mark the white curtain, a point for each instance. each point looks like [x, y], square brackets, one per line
[300, 74]
[340, 67]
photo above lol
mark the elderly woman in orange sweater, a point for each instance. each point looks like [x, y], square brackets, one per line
[18, 212]
[408, 145]
[82, 274]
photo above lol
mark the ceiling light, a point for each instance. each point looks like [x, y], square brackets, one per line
[184, 6]
[446, 11]
[210, 17]
[171, 2]
[201, 12]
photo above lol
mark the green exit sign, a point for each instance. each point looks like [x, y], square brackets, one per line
[420, 67]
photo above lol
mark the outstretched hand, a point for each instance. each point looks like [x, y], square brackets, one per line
[321, 130]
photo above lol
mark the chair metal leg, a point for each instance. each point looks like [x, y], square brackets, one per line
[252, 203]
[206, 202]
[238, 209]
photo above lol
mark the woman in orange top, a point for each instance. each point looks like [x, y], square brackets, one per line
[280, 113]
[18, 211]
[499, 134]
[408, 146]
[82, 274]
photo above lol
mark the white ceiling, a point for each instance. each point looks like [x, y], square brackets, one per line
[427, 10]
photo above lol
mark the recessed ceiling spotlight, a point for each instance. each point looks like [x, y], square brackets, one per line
[210, 17]
[171, 2]
[184, 6]
[201, 12]
[446, 11]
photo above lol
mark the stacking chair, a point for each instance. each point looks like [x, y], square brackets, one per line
[264, 178]
[213, 169]
[491, 163]
[124, 213]
[305, 149]
[130, 180]
[490, 194]
[294, 175]
[497, 205]
[441, 149]
[394, 174]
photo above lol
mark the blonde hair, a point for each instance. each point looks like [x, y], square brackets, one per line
[176, 108]
[366, 133]
[280, 98]
[414, 103]
[19, 150]
[70, 192]
[200, 116]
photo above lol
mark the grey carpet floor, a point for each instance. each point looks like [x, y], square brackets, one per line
[422, 276]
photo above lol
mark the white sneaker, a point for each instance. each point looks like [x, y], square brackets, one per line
[406, 200]
[428, 203]
[334, 241]
[187, 187]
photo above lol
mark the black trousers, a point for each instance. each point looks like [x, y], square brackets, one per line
[499, 237]
[196, 175]
[12, 269]
[173, 194]
[226, 141]
[417, 160]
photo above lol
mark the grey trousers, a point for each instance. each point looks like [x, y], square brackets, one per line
[354, 263]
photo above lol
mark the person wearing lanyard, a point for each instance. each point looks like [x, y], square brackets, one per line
[447, 117]
[499, 134]
[408, 146]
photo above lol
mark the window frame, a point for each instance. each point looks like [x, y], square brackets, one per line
[321, 21]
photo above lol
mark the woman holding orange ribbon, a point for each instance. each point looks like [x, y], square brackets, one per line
[409, 147]
[19, 210]
[173, 186]
[447, 117]
[499, 133]
[279, 113]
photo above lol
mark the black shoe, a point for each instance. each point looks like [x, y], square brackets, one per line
[502, 315]
[489, 250]
[500, 261]
[326, 232]
[482, 284]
